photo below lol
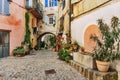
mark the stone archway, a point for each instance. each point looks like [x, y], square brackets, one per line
[89, 44]
[39, 39]
[40, 36]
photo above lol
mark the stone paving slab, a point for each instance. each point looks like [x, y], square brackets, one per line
[33, 67]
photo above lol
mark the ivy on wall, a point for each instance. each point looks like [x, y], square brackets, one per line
[27, 35]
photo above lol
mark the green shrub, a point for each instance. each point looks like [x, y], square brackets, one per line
[52, 41]
[19, 51]
[67, 46]
[27, 30]
[63, 55]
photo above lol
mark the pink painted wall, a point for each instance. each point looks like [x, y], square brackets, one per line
[15, 23]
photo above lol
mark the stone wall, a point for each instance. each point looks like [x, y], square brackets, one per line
[91, 74]
[116, 65]
[83, 59]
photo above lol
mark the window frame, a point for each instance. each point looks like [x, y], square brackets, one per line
[51, 20]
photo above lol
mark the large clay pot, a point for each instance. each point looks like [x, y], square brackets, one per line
[102, 66]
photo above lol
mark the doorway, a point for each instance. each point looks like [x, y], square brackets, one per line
[4, 44]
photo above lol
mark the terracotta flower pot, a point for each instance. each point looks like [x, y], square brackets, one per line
[75, 47]
[102, 66]
[54, 49]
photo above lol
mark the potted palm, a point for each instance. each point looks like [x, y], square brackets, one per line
[107, 48]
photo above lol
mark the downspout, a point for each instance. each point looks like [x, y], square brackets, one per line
[69, 18]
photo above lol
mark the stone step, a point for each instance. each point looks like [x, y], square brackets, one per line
[92, 74]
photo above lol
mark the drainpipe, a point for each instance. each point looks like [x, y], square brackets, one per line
[69, 18]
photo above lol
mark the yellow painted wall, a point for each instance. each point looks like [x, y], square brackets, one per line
[64, 12]
[86, 5]
[66, 23]
[39, 26]
[31, 25]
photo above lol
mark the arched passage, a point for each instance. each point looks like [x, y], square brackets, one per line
[40, 38]
[45, 34]
[89, 44]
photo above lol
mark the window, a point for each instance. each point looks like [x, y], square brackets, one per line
[35, 29]
[46, 3]
[50, 3]
[4, 7]
[51, 20]
[27, 3]
[63, 4]
[55, 2]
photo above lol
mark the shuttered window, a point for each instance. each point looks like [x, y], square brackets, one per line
[4, 7]
[50, 3]
[50, 20]
[46, 3]
[55, 2]
[27, 3]
[46, 19]
[0, 6]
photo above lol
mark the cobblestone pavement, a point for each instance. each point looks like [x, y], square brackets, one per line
[33, 67]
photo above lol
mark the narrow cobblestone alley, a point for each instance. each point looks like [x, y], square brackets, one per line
[42, 65]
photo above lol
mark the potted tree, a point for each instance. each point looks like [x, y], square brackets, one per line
[107, 48]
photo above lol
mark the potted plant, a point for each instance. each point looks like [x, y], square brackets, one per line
[26, 47]
[107, 48]
[75, 46]
[19, 51]
[54, 48]
[64, 55]
[82, 49]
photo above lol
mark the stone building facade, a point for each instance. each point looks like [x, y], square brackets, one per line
[12, 23]
[64, 16]
[85, 16]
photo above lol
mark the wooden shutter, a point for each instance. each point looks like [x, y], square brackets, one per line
[46, 3]
[6, 6]
[27, 3]
[54, 19]
[47, 19]
[1, 6]
[55, 2]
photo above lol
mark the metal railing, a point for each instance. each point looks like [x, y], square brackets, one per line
[33, 4]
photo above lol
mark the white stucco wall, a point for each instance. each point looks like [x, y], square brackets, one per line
[78, 26]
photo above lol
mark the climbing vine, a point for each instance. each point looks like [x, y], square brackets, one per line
[27, 35]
